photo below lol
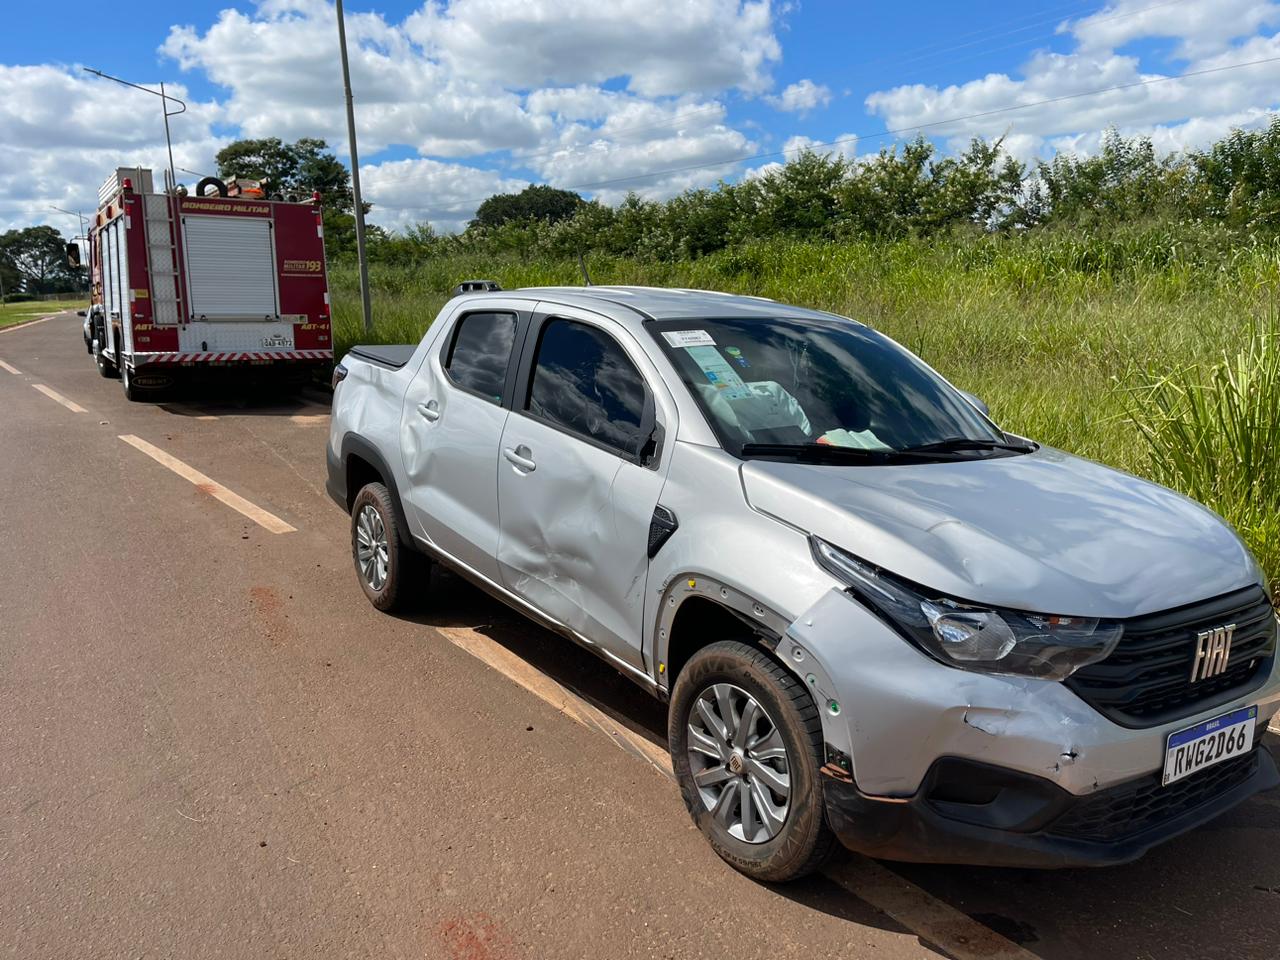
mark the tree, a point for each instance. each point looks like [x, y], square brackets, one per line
[1239, 177]
[296, 170]
[290, 169]
[535, 202]
[36, 257]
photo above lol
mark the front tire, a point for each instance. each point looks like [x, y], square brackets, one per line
[392, 575]
[746, 745]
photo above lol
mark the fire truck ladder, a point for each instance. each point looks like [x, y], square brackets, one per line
[162, 256]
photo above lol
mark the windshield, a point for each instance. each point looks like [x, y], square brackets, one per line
[779, 383]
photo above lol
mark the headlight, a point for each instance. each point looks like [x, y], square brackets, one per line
[982, 639]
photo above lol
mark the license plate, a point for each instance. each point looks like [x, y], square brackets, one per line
[1205, 744]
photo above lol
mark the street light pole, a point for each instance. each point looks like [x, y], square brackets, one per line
[164, 106]
[355, 174]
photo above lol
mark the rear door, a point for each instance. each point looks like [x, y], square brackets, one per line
[583, 463]
[231, 267]
[451, 426]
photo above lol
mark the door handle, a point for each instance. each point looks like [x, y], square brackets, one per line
[519, 457]
[430, 410]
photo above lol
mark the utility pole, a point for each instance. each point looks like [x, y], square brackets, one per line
[355, 174]
[164, 104]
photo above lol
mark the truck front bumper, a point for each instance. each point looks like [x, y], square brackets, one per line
[974, 813]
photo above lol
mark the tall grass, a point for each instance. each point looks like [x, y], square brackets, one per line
[1215, 435]
[1129, 349]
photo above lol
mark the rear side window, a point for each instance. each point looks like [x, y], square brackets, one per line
[584, 382]
[481, 352]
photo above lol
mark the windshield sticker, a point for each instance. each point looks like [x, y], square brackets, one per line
[736, 355]
[689, 338]
[718, 372]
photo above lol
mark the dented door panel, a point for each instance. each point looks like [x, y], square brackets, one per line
[573, 533]
[449, 447]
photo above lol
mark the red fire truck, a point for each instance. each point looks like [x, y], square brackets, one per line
[205, 286]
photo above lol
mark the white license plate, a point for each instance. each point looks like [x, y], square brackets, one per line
[1205, 744]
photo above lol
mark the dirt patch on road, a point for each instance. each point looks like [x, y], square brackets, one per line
[475, 936]
[269, 610]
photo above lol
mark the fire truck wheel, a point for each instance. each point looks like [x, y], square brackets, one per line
[126, 380]
[392, 575]
[105, 367]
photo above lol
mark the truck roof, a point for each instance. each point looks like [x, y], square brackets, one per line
[637, 304]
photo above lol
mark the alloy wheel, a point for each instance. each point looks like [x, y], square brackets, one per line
[372, 549]
[739, 763]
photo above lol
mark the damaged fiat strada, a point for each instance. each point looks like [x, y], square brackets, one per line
[878, 618]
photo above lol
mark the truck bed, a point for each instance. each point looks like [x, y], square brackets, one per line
[393, 355]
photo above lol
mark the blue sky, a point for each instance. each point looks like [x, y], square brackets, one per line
[460, 99]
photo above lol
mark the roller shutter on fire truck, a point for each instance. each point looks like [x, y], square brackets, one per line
[231, 266]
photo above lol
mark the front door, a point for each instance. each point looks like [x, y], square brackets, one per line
[451, 428]
[578, 478]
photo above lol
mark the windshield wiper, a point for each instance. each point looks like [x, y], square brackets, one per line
[968, 443]
[830, 453]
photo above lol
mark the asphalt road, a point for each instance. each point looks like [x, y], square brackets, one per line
[212, 746]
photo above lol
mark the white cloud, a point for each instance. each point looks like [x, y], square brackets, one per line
[662, 47]
[405, 192]
[477, 76]
[801, 97]
[279, 69]
[638, 140]
[1183, 111]
[1202, 28]
[843, 145]
[58, 126]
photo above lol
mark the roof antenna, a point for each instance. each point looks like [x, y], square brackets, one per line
[582, 265]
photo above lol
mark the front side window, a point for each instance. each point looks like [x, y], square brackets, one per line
[585, 382]
[481, 352]
[817, 385]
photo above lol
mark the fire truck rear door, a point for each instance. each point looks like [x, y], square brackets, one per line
[231, 267]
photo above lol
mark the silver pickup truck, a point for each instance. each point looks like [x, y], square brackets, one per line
[877, 617]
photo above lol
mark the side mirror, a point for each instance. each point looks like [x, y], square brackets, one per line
[73, 254]
[982, 407]
[82, 313]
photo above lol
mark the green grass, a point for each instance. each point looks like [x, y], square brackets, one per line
[1089, 345]
[11, 313]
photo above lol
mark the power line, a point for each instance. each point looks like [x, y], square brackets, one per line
[900, 130]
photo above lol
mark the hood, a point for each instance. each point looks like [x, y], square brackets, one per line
[1044, 532]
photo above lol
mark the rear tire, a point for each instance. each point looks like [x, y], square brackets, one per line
[106, 368]
[392, 575]
[768, 753]
[131, 393]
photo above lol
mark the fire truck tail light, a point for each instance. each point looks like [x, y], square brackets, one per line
[127, 185]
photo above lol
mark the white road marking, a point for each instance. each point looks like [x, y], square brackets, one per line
[920, 912]
[12, 369]
[59, 398]
[263, 518]
[25, 323]
[923, 914]
[544, 688]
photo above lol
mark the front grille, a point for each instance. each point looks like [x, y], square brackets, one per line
[1129, 809]
[1147, 680]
